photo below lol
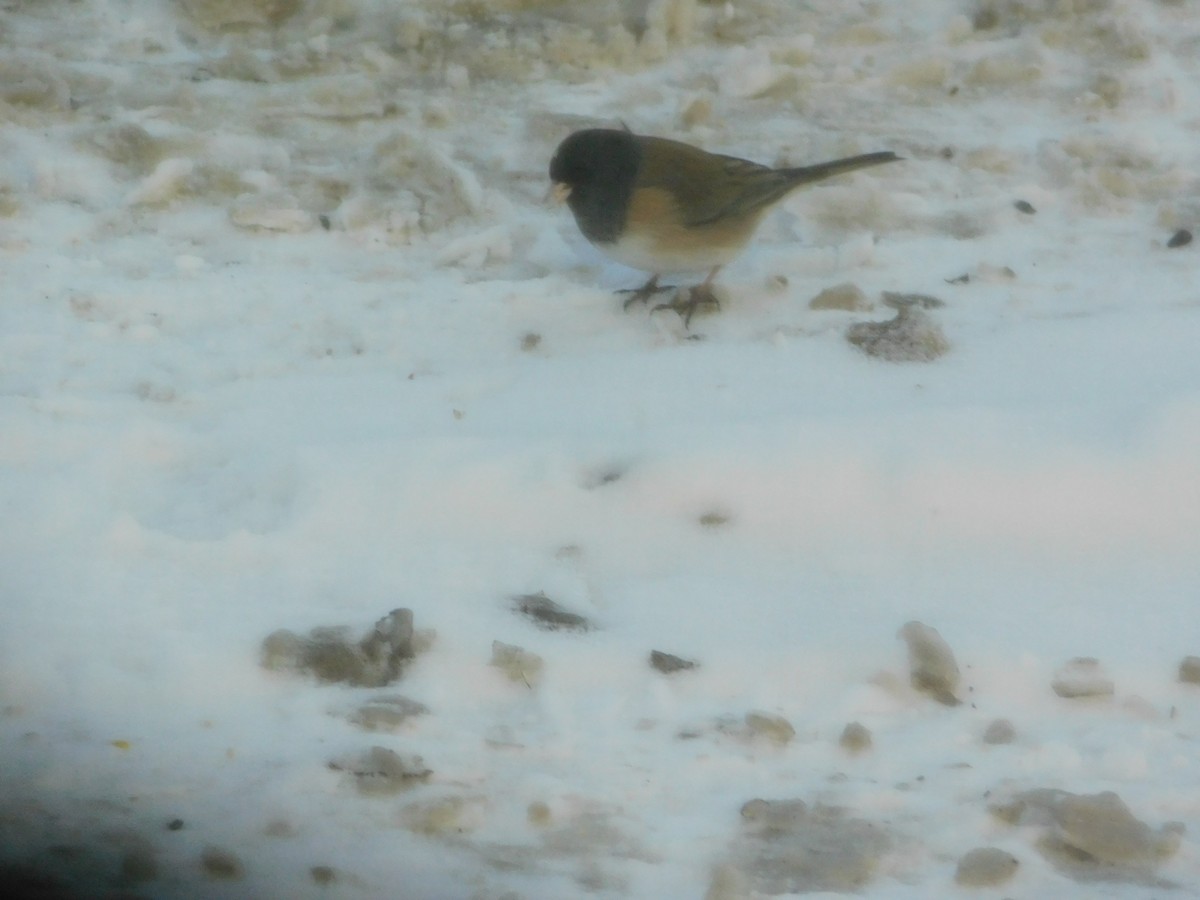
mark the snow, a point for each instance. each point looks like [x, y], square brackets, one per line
[290, 336]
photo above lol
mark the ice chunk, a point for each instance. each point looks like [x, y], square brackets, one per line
[1082, 677]
[985, 867]
[931, 664]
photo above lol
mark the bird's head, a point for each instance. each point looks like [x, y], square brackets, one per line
[594, 171]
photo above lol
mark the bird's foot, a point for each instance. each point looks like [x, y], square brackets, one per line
[688, 301]
[644, 293]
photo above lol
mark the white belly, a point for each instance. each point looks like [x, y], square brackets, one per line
[641, 253]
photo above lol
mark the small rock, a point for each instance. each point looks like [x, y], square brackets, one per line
[846, 296]
[855, 738]
[1180, 238]
[931, 664]
[323, 875]
[985, 867]
[517, 663]
[1091, 834]
[1000, 731]
[668, 663]
[1102, 826]
[714, 518]
[605, 475]
[1024, 206]
[220, 863]
[788, 847]
[380, 771]
[1081, 678]
[1189, 670]
[912, 336]
[329, 654]
[282, 650]
[175, 825]
[386, 713]
[775, 729]
[548, 615]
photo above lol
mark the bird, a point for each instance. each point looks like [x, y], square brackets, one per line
[661, 205]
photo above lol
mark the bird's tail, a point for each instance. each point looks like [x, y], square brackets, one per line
[819, 172]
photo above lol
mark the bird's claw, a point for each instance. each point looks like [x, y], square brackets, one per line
[644, 293]
[687, 302]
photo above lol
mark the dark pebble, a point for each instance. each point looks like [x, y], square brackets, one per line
[1181, 238]
[547, 614]
[669, 662]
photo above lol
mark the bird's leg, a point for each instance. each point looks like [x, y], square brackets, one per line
[645, 292]
[687, 302]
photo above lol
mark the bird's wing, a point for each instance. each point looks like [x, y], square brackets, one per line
[749, 187]
[709, 187]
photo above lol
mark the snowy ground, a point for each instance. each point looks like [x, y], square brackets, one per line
[290, 338]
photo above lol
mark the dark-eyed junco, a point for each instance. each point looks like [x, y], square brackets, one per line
[663, 206]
